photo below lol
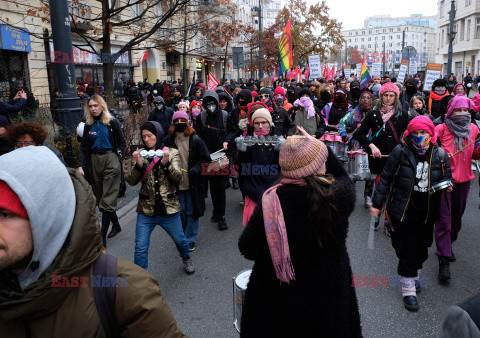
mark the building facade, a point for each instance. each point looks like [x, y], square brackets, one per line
[379, 21]
[466, 45]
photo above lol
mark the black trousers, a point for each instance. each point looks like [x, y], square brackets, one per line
[218, 185]
[411, 240]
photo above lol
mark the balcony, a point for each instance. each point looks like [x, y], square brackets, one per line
[165, 35]
[82, 13]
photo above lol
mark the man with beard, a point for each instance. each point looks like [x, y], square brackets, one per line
[281, 120]
[217, 129]
[354, 94]
[161, 113]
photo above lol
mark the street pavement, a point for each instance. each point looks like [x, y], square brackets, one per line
[203, 302]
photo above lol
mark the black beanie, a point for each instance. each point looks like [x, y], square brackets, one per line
[150, 127]
[179, 88]
[439, 83]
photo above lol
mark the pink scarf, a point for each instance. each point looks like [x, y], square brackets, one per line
[276, 232]
[307, 104]
[387, 112]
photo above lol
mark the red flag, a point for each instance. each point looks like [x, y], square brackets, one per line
[144, 57]
[326, 71]
[212, 82]
[307, 72]
[331, 74]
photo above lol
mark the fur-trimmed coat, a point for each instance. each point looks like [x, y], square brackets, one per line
[320, 301]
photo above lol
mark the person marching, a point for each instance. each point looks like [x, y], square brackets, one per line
[304, 114]
[300, 283]
[102, 146]
[387, 121]
[193, 153]
[333, 112]
[158, 202]
[454, 135]
[413, 167]
[254, 182]
[348, 124]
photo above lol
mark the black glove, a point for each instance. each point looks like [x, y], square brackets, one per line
[344, 138]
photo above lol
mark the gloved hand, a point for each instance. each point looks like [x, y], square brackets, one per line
[344, 138]
[281, 139]
[241, 145]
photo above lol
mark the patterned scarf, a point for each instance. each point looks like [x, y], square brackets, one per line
[421, 143]
[459, 124]
[277, 233]
[387, 112]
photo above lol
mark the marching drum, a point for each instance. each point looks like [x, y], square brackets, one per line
[440, 186]
[239, 287]
[219, 161]
[358, 167]
[335, 143]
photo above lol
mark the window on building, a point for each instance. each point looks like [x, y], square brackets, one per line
[468, 2]
[369, 32]
[383, 37]
[349, 40]
[442, 8]
[477, 28]
[376, 38]
[455, 29]
[363, 47]
[384, 30]
[391, 37]
[135, 10]
[398, 29]
[398, 36]
[356, 33]
[369, 38]
[391, 45]
[350, 34]
[462, 30]
[369, 46]
[363, 32]
[391, 30]
[469, 28]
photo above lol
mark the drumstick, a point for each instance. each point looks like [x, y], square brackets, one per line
[381, 156]
[217, 151]
[468, 145]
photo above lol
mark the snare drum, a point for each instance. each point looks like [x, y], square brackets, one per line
[239, 287]
[358, 167]
[440, 186]
[219, 161]
[335, 143]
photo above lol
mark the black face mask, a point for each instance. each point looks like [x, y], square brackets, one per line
[355, 92]
[326, 96]
[180, 127]
[411, 90]
[291, 97]
[420, 111]
[279, 102]
[242, 103]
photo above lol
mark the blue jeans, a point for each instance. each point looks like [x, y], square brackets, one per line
[170, 223]
[190, 225]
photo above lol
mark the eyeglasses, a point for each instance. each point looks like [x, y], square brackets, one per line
[24, 144]
[263, 123]
[264, 96]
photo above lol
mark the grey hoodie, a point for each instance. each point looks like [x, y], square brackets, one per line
[46, 190]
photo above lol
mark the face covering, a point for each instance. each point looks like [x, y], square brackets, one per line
[212, 107]
[326, 96]
[419, 111]
[421, 143]
[180, 127]
[279, 102]
[461, 119]
[242, 104]
[291, 97]
[411, 90]
[440, 90]
[195, 113]
[159, 106]
[261, 132]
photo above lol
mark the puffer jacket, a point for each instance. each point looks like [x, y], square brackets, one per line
[398, 176]
[167, 177]
[45, 311]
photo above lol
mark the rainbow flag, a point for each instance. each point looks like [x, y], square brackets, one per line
[285, 49]
[364, 76]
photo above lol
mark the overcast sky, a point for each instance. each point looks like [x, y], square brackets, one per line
[352, 12]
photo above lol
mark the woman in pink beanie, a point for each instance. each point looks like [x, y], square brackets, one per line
[456, 133]
[412, 168]
[296, 236]
[381, 129]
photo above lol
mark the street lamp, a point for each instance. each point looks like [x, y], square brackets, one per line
[451, 36]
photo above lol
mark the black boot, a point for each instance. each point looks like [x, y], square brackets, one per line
[116, 225]
[235, 183]
[444, 268]
[104, 228]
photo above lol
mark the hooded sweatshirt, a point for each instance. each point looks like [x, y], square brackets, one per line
[50, 222]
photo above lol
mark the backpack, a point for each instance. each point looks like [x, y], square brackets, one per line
[104, 296]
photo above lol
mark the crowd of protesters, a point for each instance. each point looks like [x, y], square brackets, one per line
[269, 139]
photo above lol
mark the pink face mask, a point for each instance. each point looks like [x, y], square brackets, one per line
[261, 132]
[195, 113]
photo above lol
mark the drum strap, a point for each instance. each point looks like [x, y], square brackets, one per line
[394, 131]
[149, 168]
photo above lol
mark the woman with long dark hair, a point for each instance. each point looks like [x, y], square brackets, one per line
[103, 143]
[300, 284]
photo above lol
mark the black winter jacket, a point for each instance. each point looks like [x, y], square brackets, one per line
[321, 300]
[384, 141]
[284, 125]
[164, 117]
[398, 176]
[198, 155]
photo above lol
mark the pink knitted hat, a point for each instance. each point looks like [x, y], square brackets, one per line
[180, 115]
[389, 87]
[302, 156]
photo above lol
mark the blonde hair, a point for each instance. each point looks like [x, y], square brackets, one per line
[106, 116]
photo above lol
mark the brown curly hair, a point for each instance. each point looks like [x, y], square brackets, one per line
[32, 128]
